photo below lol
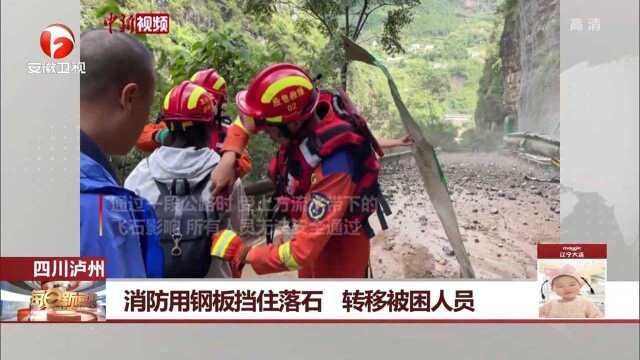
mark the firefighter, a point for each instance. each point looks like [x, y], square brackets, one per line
[329, 153]
[153, 135]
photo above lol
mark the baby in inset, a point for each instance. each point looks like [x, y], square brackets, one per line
[566, 283]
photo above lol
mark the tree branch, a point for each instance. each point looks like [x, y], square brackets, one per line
[358, 25]
[366, 17]
[320, 18]
[346, 21]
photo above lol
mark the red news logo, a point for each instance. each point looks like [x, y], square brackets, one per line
[57, 41]
[138, 23]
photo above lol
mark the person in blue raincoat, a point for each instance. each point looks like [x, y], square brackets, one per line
[116, 93]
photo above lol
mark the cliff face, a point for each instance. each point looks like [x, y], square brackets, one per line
[529, 52]
[510, 58]
[539, 45]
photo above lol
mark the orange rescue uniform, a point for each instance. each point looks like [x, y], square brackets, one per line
[319, 248]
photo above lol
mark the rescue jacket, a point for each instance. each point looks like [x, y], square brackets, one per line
[292, 168]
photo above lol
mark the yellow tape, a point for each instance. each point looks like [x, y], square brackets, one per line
[166, 100]
[284, 83]
[237, 122]
[194, 97]
[274, 120]
[219, 83]
[223, 242]
[284, 252]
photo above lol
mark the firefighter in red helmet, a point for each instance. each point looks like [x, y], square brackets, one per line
[327, 151]
[153, 134]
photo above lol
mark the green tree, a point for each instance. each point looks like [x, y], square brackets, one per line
[436, 82]
[339, 18]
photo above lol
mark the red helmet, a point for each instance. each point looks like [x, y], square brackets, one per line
[212, 81]
[279, 94]
[188, 102]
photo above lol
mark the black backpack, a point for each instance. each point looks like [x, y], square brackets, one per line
[186, 224]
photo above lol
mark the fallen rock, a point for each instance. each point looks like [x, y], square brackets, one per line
[448, 251]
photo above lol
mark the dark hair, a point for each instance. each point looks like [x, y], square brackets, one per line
[197, 135]
[111, 61]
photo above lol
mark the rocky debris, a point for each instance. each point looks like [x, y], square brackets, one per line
[491, 201]
[448, 251]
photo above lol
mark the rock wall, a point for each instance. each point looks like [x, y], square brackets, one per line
[509, 51]
[539, 47]
[529, 52]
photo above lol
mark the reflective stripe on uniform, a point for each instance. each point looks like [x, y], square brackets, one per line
[223, 243]
[274, 120]
[284, 252]
[284, 83]
[194, 96]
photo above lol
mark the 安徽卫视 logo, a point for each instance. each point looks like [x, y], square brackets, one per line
[57, 41]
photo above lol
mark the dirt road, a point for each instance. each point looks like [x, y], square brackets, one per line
[502, 216]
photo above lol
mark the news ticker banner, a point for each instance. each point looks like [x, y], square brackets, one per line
[74, 290]
[341, 300]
